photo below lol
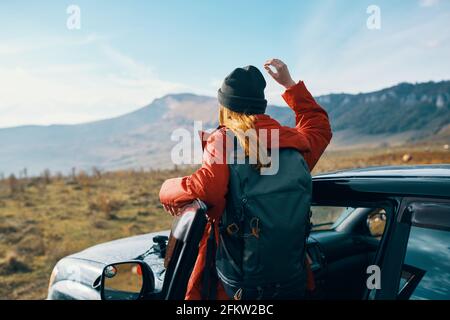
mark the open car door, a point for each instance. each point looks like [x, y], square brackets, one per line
[186, 233]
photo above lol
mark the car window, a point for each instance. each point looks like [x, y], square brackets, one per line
[426, 269]
[329, 217]
[325, 217]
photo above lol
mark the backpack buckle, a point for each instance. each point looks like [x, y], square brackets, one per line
[254, 225]
[232, 229]
[238, 294]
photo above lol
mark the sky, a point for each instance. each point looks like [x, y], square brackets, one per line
[127, 53]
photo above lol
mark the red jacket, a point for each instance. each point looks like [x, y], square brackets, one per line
[310, 137]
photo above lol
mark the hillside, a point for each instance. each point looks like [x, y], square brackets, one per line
[392, 116]
[403, 113]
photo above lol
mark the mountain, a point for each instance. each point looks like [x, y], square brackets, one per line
[403, 113]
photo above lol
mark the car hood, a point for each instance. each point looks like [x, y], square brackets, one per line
[78, 273]
[119, 250]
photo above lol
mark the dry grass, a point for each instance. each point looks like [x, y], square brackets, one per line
[45, 218]
[360, 158]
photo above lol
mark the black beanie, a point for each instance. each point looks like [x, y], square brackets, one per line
[243, 91]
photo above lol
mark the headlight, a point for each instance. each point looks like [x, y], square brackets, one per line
[52, 277]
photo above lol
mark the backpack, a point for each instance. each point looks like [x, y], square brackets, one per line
[262, 233]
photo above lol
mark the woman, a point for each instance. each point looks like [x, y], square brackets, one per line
[242, 107]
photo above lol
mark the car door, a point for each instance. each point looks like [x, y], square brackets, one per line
[418, 255]
[426, 266]
[186, 233]
[348, 248]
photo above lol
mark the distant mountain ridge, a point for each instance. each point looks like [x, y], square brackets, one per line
[397, 109]
[402, 113]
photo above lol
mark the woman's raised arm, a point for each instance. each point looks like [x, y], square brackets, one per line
[311, 119]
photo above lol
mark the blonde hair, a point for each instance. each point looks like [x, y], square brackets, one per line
[243, 127]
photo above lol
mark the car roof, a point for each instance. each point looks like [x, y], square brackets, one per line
[416, 171]
[419, 180]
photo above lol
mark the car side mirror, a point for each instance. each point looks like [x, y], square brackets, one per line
[129, 280]
[376, 222]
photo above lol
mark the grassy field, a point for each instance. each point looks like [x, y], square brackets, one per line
[45, 218]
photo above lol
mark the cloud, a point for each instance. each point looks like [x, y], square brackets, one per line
[428, 3]
[78, 92]
[11, 49]
[432, 44]
[367, 60]
[21, 47]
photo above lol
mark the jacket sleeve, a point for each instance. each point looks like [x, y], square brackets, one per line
[209, 183]
[311, 121]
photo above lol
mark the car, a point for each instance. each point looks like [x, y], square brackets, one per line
[380, 233]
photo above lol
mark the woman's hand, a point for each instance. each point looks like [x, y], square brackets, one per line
[282, 75]
[173, 211]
